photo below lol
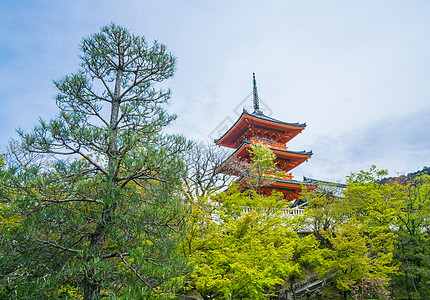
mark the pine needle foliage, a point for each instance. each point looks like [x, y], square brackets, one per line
[98, 199]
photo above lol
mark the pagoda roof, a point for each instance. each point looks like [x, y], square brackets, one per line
[300, 156]
[293, 182]
[318, 182]
[231, 137]
[261, 115]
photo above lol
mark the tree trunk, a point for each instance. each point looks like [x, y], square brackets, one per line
[91, 286]
[292, 288]
[408, 289]
[116, 101]
[345, 295]
[91, 290]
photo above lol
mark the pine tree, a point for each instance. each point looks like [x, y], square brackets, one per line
[100, 215]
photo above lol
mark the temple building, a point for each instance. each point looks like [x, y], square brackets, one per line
[256, 127]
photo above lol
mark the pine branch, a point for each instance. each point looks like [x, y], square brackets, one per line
[56, 245]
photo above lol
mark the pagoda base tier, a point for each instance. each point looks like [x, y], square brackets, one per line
[291, 189]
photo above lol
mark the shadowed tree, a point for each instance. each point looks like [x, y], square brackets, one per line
[413, 241]
[101, 215]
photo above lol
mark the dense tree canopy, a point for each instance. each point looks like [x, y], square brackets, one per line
[413, 239]
[241, 244]
[375, 233]
[355, 229]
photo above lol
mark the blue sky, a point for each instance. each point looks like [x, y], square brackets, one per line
[357, 72]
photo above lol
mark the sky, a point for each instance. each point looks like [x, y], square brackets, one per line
[357, 72]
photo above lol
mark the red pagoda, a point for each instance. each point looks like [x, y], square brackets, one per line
[256, 127]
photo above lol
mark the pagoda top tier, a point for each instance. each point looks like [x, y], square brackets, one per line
[259, 125]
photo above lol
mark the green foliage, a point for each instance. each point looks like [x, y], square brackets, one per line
[374, 204]
[240, 243]
[397, 220]
[356, 228]
[375, 232]
[348, 254]
[263, 158]
[413, 247]
[363, 239]
[263, 167]
[8, 217]
[320, 212]
[95, 191]
[242, 247]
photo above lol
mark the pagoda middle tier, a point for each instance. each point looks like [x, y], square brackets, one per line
[286, 160]
[259, 125]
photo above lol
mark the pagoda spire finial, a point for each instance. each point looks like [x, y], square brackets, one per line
[255, 93]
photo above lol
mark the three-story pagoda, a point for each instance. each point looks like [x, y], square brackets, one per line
[256, 127]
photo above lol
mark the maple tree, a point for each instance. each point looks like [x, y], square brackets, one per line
[241, 244]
